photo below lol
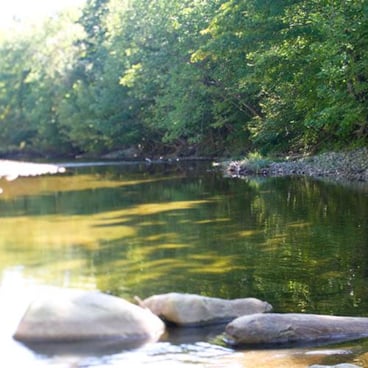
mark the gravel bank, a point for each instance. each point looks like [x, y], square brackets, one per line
[349, 165]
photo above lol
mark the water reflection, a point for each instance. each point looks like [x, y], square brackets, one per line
[299, 244]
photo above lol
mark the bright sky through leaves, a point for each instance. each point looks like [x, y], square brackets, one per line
[32, 9]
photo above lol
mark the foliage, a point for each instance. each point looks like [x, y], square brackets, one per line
[297, 60]
[187, 77]
[254, 162]
[34, 79]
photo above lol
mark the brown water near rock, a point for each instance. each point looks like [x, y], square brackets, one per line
[301, 245]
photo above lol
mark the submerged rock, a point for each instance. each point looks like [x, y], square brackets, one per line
[294, 328]
[193, 310]
[68, 315]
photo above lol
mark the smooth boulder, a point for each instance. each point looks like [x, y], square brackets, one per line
[68, 315]
[294, 329]
[197, 310]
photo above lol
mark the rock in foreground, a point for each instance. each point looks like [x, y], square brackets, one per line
[294, 328]
[69, 315]
[196, 310]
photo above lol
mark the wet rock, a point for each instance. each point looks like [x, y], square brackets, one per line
[294, 329]
[193, 310]
[65, 316]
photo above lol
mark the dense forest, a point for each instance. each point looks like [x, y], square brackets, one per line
[187, 77]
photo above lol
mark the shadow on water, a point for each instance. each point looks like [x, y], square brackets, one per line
[291, 242]
[299, 244]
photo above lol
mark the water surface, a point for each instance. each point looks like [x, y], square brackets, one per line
[300, 244]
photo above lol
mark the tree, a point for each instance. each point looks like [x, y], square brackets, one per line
[188, 77]
[14, 57]
[177, 92]
[36, 64]
[292, 66]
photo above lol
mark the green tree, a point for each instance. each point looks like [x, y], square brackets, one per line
[309, 76]
[192, 76]
[297, 67]
[36, 62]
[241, 52]
[342, 89]
[15, 69]
[177, 93]
[97, 111]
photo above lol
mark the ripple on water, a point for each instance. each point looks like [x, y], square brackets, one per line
[158, 355]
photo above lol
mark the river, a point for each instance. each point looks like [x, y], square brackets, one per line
[139, 229]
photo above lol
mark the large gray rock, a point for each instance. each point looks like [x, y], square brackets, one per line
[193, 310]
[70, 315]
[294, 328]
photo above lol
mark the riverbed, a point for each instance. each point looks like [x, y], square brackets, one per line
[139, 229]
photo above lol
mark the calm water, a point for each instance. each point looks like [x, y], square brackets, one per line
[129, 230]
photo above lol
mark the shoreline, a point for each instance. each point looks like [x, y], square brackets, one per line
[349, 166]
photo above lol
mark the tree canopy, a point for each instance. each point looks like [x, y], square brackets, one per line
[188, 77]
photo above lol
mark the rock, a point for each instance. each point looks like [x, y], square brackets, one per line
[362, 359]
[342, 365]
[294, 328]
[342, 166]
[70, 315]
[193, 310]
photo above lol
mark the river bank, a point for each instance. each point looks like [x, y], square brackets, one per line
[347, 166]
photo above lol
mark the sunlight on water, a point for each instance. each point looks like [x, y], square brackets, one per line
[42, 185]
[298, 244]
[15, 295]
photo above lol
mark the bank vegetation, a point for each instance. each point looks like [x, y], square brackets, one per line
[186, 78]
